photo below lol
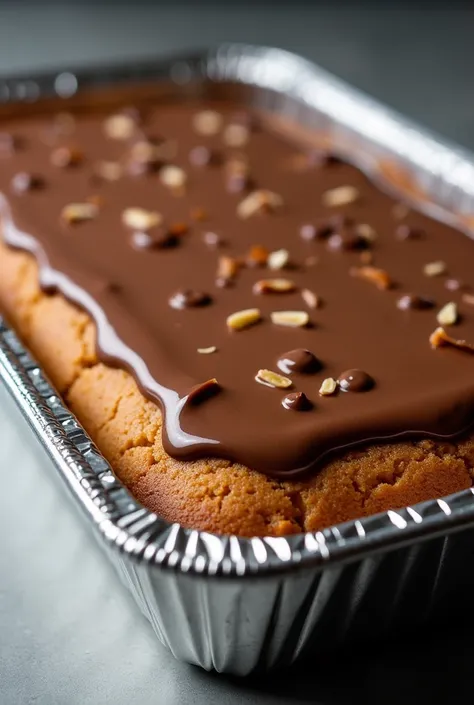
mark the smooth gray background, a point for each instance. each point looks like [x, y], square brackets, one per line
[69, 633]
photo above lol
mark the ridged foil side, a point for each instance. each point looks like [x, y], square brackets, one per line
[238, 604]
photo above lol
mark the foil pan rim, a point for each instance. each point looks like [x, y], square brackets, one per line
[125, 524]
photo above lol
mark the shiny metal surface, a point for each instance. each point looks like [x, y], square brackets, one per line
[234, 604]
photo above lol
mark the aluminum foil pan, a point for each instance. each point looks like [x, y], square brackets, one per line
[235, 604]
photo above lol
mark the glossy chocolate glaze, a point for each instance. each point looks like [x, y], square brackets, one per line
[126, 282]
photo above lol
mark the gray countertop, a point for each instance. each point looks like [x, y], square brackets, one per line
[69, 633]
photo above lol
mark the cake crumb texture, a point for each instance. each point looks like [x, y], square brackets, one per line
[211, 494]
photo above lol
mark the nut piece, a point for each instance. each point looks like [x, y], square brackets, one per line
[273, 286]
[236, 135]
[119, 127]
[468, 299]
[202, 392]
[366, 232]
[227, 269]
[310, 298]
[434, 269]
[207, 351]
[376, 276]
[448, 315]
[439, 337]
[278, 259]
[172, 176]
[273, 379]
[141, 219]
[243, 319]
[109, 171]
[79, 212]
[328, 387]
[207, 122]
[291, 319]
[258, 202]
[340, 196]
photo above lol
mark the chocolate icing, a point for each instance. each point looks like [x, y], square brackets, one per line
[127, 286]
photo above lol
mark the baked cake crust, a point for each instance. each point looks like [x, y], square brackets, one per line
[212, 495]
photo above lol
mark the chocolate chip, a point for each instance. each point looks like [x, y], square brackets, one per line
[23, 182]
[296, 401]
[321, 158]
[203, 156]
[301, 361]
[65, 157]
[157, 237]
[318, 231]
[412, 301]
[355, 381]
[345, 235]
[407, 232]
[187, 298]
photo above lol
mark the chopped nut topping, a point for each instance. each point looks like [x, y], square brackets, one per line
[66, 156]
[468, 299]
[273, 286]
[236, 135]
[141, 219]
[204, 391]
[257, 256]
[291, 319]
[278, 259]
[172, 176]
[376, 276]
[448, 315]
[340, 196]
[366, 232]
[434, 269]
[273, 379]
[227, 268]
[79, 212]
[207, 351]
[243, 319]
[258, 202]
[119, 127]
[310, 298]
[439, 337]
[328, 387]
[109, 171]
[207, 122]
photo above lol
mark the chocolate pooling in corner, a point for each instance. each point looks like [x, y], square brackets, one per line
[184, 230]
